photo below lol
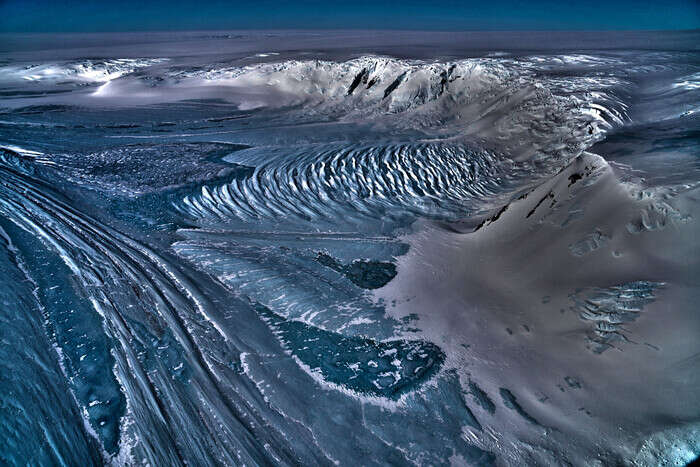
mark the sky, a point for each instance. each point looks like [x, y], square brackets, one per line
[158, 15]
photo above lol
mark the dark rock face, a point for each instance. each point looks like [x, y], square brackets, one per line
[360, 78]
[510, 401]
[365, 274]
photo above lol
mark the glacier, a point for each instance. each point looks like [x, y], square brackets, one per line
[341, 248]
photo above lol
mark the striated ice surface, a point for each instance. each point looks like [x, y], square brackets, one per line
[609, 310]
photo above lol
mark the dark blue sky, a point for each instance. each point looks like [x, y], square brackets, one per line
[130, 15]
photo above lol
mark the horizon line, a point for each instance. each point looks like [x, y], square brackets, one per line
[349, 29]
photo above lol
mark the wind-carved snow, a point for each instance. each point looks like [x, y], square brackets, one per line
[87, 71]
